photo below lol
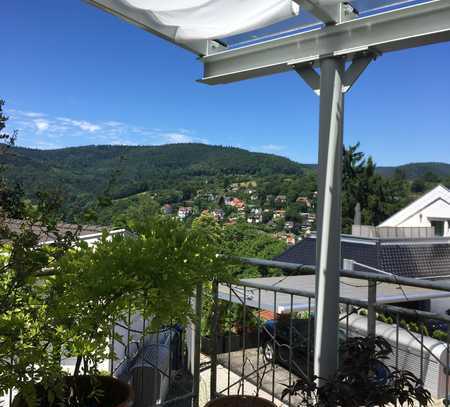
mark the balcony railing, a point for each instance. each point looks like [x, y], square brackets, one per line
[251, 356]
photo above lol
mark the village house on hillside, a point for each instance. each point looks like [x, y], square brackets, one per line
[88, 233]
[280, 199]
[235, 203]
[304, 200]
[167, 209]
[219, 215]
[184, 212]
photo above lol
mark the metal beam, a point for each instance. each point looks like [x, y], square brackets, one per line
[355, 70]
[351, 75]
[310, 76]
[394, 30]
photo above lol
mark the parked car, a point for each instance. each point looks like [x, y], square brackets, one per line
[276, 339]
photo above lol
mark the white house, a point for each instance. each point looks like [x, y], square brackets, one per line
[430, 210]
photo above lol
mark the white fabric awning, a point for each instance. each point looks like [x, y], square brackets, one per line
[185, 21]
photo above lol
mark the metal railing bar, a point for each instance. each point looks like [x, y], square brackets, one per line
[420, 341]
[275, 264]
[229, 352]
[273, 344]
[448, 361]
[347, 313]
[128, 331]
[112, 353]
[157, 370]
[247, 376]
[142, 342]
[397, 332]
[289, 291]
[291, 329]
[259, 344]
[176, 399]
[237, 294]
[244, 334]
[421, 352]
[308, 344]
[362, 275]
[197, 326]
[214, 333]
[415, 313]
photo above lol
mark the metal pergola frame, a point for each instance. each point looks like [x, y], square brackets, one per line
[341, 39]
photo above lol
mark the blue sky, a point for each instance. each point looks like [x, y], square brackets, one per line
[74, 75]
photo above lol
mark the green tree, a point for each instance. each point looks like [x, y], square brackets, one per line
[379, 197]
[246, 241]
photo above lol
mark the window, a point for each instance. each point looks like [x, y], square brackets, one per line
[438, 227]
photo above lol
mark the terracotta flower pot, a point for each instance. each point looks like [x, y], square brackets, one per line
[113, 392]
[240, 401]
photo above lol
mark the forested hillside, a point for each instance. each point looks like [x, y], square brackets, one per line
[418, 170]
[189, 174]
[120, 171]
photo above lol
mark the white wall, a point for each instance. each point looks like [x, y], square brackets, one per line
[434, 205]
[438, 210]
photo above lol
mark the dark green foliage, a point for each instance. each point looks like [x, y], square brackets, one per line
[6, 139]
[418, 170]
[246, 241]
[378, 196]
[440, 335]
[363, 379]
[86, 172]
[94, 391]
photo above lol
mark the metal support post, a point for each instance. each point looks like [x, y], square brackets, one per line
[214, 333]
[371, 311]
[197, 333]
[328, 250]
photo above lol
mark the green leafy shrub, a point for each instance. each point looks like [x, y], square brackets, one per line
[440, 335]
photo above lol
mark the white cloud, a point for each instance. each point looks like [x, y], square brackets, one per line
[82, 124]
[177, 138]
[44, 131]
[15, 113]
[33, 114]
[41, 125]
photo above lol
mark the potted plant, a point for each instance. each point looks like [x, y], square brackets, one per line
[363, 379]
[34, 324]
[68, 307]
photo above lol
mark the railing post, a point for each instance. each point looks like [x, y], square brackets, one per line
[214, 334]
[371, 312]
[197, 333]
[349, 265]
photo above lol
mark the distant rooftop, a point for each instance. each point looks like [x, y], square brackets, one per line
[84, 231]
[420, 257]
